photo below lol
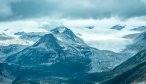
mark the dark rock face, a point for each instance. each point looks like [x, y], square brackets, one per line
[134, 75]
[132, 71]
[90, 27]
[118, 27]
[140, 28]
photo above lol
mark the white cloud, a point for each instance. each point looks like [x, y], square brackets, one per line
[99, 37]
[74, 9]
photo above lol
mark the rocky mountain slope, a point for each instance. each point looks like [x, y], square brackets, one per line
[59, 54]
[130, 72]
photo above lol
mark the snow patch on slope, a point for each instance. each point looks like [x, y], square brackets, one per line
[15, 41]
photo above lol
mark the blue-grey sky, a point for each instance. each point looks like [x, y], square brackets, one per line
[74, 9]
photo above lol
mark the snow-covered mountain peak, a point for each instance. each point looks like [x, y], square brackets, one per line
[59, 29]
[63, 30]
[66, 35]
[48, 41]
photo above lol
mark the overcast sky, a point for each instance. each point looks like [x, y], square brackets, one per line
[73, 9]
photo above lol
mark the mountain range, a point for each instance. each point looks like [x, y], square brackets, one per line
[62, 57]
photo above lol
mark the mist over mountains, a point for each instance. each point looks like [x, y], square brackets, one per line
[72, 41]
[63, 56]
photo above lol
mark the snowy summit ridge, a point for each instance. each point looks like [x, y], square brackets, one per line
[49, 41]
